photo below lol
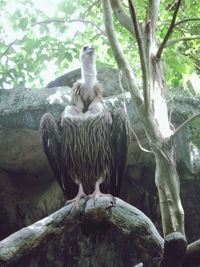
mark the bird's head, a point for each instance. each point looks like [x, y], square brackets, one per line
[88, 55]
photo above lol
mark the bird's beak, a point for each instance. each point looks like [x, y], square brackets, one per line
[91, 48]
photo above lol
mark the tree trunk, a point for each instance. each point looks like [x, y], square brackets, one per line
[152, 107]
[160, 134]
[167, 183]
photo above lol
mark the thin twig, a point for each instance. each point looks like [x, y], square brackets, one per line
[186, 20]
[184, 124]
[67, 21]
[54, 20]
[162, 46]
[191, 3]
[139, 144]
[185, 38]
[7, 49]
[124, 103]
[90, 8]
[122, 89]
[142, 55]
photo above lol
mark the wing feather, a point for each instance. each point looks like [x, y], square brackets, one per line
[50, 136]
[68, 157]
[121, 141]
[53, 140]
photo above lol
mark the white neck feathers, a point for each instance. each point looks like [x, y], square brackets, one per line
[89, 74]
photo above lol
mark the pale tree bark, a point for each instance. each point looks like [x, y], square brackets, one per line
[131, 221]
[121, 15]
[181, 39]
[152, 107]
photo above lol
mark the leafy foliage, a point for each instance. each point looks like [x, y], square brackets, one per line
[177, 67]
[39, 43]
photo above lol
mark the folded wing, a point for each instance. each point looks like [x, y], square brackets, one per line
[120, 143]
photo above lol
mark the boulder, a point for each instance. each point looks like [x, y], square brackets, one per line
[108, 77]
[21, 111]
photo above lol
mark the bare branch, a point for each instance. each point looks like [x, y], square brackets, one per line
[113, 210]
[88, 22]
[48, 21]
[162, 46]
[142, 55]
[119, 55]
[136, 137]
[185, 21]
[191, 3]
[182, 39]
[139, 144]
[121, 15]
[184, 124]
[7, 48]
[90, 8]
[68, 21]
[153, 9]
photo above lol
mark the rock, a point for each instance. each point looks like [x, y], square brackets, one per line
[21, 121]
[20, 149]
[23, 109]
[188, 140]
[108, 77]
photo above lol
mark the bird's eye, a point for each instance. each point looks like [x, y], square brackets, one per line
[85, 47]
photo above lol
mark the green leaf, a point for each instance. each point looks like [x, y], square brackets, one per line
[23, 23]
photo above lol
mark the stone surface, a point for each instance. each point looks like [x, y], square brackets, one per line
[108, 77]
[28, 191]
[21, 121]
[22, 110]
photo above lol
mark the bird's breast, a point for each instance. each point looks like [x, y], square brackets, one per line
[87, 148]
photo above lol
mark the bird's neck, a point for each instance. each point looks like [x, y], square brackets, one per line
[89, 75]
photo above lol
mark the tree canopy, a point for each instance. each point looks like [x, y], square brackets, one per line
[41, 41]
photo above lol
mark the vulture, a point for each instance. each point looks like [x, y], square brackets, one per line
[87, 150]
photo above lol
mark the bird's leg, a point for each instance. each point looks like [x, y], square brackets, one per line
[97, 192]
[81, 194]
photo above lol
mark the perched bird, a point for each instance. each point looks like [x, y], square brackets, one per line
[88, 149]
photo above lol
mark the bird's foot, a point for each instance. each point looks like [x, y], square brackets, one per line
[76, 200]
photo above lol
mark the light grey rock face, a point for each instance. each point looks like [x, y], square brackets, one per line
[22, 110]
[21, 152]
[20, 114]
[28, 191]
[188, 140]
[108, 77]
